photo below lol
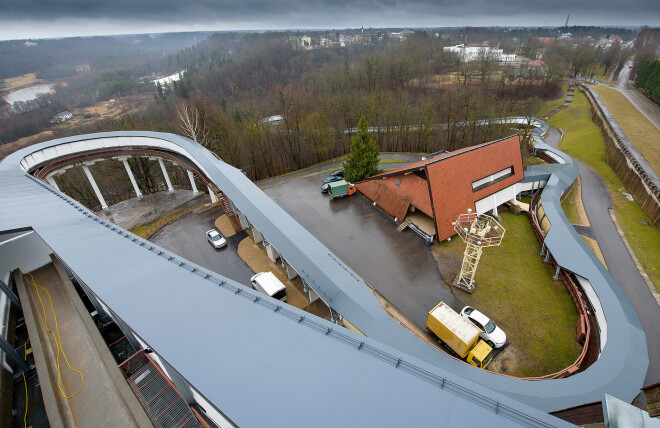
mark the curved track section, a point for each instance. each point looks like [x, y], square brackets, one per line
[132, 276]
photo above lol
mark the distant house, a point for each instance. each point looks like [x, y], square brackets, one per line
[272, 120]
[429, 195]
[29, 43]
[62, 117]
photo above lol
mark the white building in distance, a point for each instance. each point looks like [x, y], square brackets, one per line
[472, 53]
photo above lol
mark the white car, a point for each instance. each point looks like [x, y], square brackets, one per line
[492, 334]
[215, 238]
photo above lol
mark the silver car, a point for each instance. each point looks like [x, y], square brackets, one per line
[215, 238]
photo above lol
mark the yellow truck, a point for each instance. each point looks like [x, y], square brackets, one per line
[459, 335]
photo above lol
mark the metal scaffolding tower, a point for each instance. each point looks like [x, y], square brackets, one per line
[477, 231]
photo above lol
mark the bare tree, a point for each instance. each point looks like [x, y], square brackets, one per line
[191, 121]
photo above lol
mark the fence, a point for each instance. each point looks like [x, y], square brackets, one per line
[624, 162]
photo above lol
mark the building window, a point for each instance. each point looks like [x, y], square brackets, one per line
[492, 179]
[398, 181]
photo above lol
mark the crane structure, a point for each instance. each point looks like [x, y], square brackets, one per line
[477, 231]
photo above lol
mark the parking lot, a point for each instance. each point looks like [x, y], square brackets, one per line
[187, 238]
[397, 264]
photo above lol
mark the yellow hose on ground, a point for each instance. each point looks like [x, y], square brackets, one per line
[58, 338]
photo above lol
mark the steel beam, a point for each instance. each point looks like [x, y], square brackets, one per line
[12, 297]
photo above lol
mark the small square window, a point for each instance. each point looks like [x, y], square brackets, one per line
[398, 182]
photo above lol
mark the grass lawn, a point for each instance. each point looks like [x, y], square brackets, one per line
[552, 104]
[583, 140]
[392, 161]
[639, 130]
[515, 288]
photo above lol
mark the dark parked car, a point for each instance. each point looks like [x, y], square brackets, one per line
[338, 173]
[330, 179]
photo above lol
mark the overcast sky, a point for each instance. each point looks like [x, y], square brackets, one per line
[21, 19]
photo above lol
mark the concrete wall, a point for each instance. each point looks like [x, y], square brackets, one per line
[624, 163]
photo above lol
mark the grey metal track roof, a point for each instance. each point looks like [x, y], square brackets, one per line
[237, 351]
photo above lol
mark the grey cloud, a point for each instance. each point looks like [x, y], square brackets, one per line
[182, 15]
[251, 10]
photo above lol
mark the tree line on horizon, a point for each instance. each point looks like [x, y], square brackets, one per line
[233, 88]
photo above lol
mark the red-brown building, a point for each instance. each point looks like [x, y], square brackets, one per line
[428, 195]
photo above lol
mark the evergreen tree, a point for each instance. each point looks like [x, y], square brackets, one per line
[362, 160]
[648, 78]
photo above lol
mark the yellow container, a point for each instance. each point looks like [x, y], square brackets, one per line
[452, 329]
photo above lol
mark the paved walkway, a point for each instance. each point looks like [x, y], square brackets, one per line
[105, 399]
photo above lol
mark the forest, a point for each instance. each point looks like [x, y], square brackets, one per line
[268, 105]
[648, 78]
[52, 58]
[405, 91]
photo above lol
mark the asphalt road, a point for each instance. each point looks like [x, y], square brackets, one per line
[186, 237]
[597, 203]
[648, 108]
[397, 264]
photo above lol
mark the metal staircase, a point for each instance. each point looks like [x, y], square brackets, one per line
[405, 223]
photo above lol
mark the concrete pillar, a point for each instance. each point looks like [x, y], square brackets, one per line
[495, 207]
[214, 197]
[313, 296]
[556, 277]
[192, 181]
[130, 175]
[256, 235]
[167, 177]
[51, 180]
[88, 173]
[243, 220]
[291, 272]
[273, 254]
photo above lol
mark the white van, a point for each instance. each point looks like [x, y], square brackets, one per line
[267, 283]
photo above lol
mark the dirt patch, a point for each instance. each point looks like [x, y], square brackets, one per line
[223, 224]
[13, 83]
[573, 206]
[448, 262]
[254, 255]
[507, 361]
[593, 244]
